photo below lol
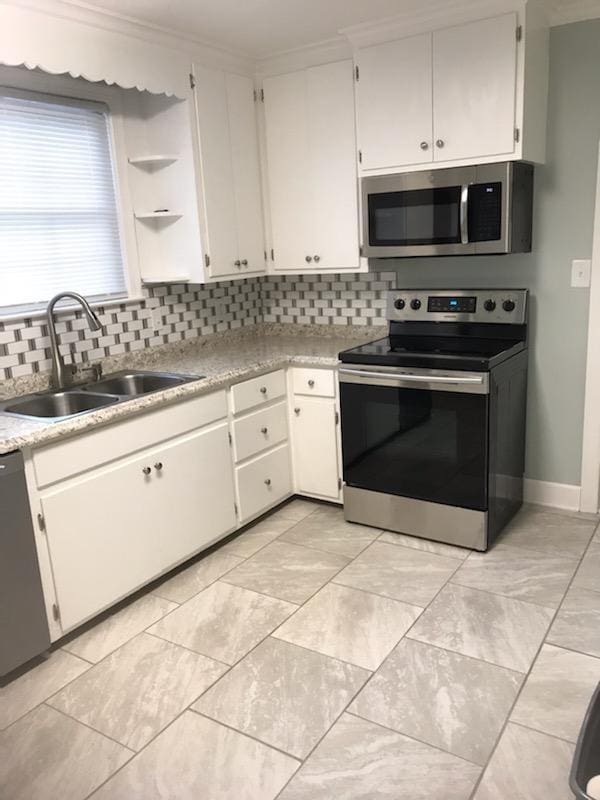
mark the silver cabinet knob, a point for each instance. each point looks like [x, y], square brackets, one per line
[147, 470]
[158, 466]
[317, 259]
[244, 262]
[308, 259]
[296, 411]
[424, 145]
[237, 263]
[263, 389]
[311, 383]
[439, 143]
[264, 430]
[267, 481]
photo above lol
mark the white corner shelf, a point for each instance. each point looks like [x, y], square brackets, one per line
[158, 214]
[158, 160]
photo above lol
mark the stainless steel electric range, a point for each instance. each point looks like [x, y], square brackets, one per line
[433, 416]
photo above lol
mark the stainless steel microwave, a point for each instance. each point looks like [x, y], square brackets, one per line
[473, 210]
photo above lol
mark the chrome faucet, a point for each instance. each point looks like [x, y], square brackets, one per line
[61, 376]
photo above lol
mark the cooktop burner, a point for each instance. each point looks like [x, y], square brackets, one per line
[487, 327]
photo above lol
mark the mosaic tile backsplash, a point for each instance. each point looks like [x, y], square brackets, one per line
[176, 312]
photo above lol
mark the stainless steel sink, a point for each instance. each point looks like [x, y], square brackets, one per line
[58, 405]
[117, 388]
[135, 383]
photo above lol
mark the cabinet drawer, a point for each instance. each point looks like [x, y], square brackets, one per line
[89, 450]
[264, 482]
[257, 391]
[318, 382]
[260, 430]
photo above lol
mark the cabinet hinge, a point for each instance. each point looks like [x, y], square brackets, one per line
[192, 81]
[255, 95]
[339, 483]
[265, 252]
[360, 156]
[337, 417]
[262, 95]
[230, 437]
[519, 32]
[236, 508]
[207, 259]
[356, 73]
[56, 611]
[272, 254]
[361, 250]
[41, 522]
[517, 134]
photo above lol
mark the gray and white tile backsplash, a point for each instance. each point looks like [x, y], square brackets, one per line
[176, 312]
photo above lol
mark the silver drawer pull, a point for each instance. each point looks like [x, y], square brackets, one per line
[311, 383]
[244, 262]
[267, 481]
[296, 411]
[264, 430]
[263, 389]
[158, 466]
[147, 470]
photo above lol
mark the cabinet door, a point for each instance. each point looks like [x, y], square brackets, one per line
[116, 528]
[217, 170]
[315, 447]
[394, 97]
[474, 86]
[246, 172]
[286, 123]
[333, 236]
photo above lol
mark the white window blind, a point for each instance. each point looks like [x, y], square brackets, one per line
[58, 215]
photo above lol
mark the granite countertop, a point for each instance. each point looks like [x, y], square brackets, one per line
[223, 359]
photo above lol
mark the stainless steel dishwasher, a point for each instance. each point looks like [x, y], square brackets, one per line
[23, 623]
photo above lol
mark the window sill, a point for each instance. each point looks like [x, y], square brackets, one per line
[7, 316]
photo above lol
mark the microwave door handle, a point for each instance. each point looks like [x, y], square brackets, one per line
[464, 214]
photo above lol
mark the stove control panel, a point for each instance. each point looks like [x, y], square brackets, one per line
[508, 306]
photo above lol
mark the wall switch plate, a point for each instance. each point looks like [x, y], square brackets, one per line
[581, 272]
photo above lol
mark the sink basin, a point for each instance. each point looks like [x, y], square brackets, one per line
[58, 405]
[132, 384]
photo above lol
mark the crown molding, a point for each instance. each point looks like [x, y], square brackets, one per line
[325, 52]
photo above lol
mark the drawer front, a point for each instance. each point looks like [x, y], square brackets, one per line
[264, 482]
[257, 391]
[54, 462]
[260, 430]
[317, 382]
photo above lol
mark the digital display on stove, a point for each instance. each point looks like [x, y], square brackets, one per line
[459, 305]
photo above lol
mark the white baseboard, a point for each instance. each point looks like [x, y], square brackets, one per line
[557, 495]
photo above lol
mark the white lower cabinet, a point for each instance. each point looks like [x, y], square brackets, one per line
[315, 446]
[116, 528]
[264, 481]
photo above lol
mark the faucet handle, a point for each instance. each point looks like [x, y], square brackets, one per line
[94, 369]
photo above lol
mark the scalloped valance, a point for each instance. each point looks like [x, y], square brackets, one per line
[59, 45]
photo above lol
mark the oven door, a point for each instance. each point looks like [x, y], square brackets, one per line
[420, 434]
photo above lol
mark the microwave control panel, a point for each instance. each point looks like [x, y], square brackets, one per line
[452, 305]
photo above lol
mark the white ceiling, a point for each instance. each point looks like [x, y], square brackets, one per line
[257, 28]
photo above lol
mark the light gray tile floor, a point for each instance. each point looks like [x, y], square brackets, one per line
[308, 658]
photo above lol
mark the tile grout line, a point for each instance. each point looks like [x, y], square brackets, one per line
[91, 728]
[507, 720]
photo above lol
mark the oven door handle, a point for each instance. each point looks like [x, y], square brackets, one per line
[464, 214]
[472, 383]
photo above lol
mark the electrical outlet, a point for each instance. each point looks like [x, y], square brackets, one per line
[157, 319]
[581, 272]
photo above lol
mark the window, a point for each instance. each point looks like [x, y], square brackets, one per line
[59, 227]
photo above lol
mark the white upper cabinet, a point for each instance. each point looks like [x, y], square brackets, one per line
[311, 164]
[230, 173]
[469, 93]
[394, 96]
[474, 89]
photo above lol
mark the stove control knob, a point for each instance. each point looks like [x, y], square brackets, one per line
[489, 305]
[415, 304]
[399, 304]
[508, 305]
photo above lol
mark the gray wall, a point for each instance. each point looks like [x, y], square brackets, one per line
[564, 209]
